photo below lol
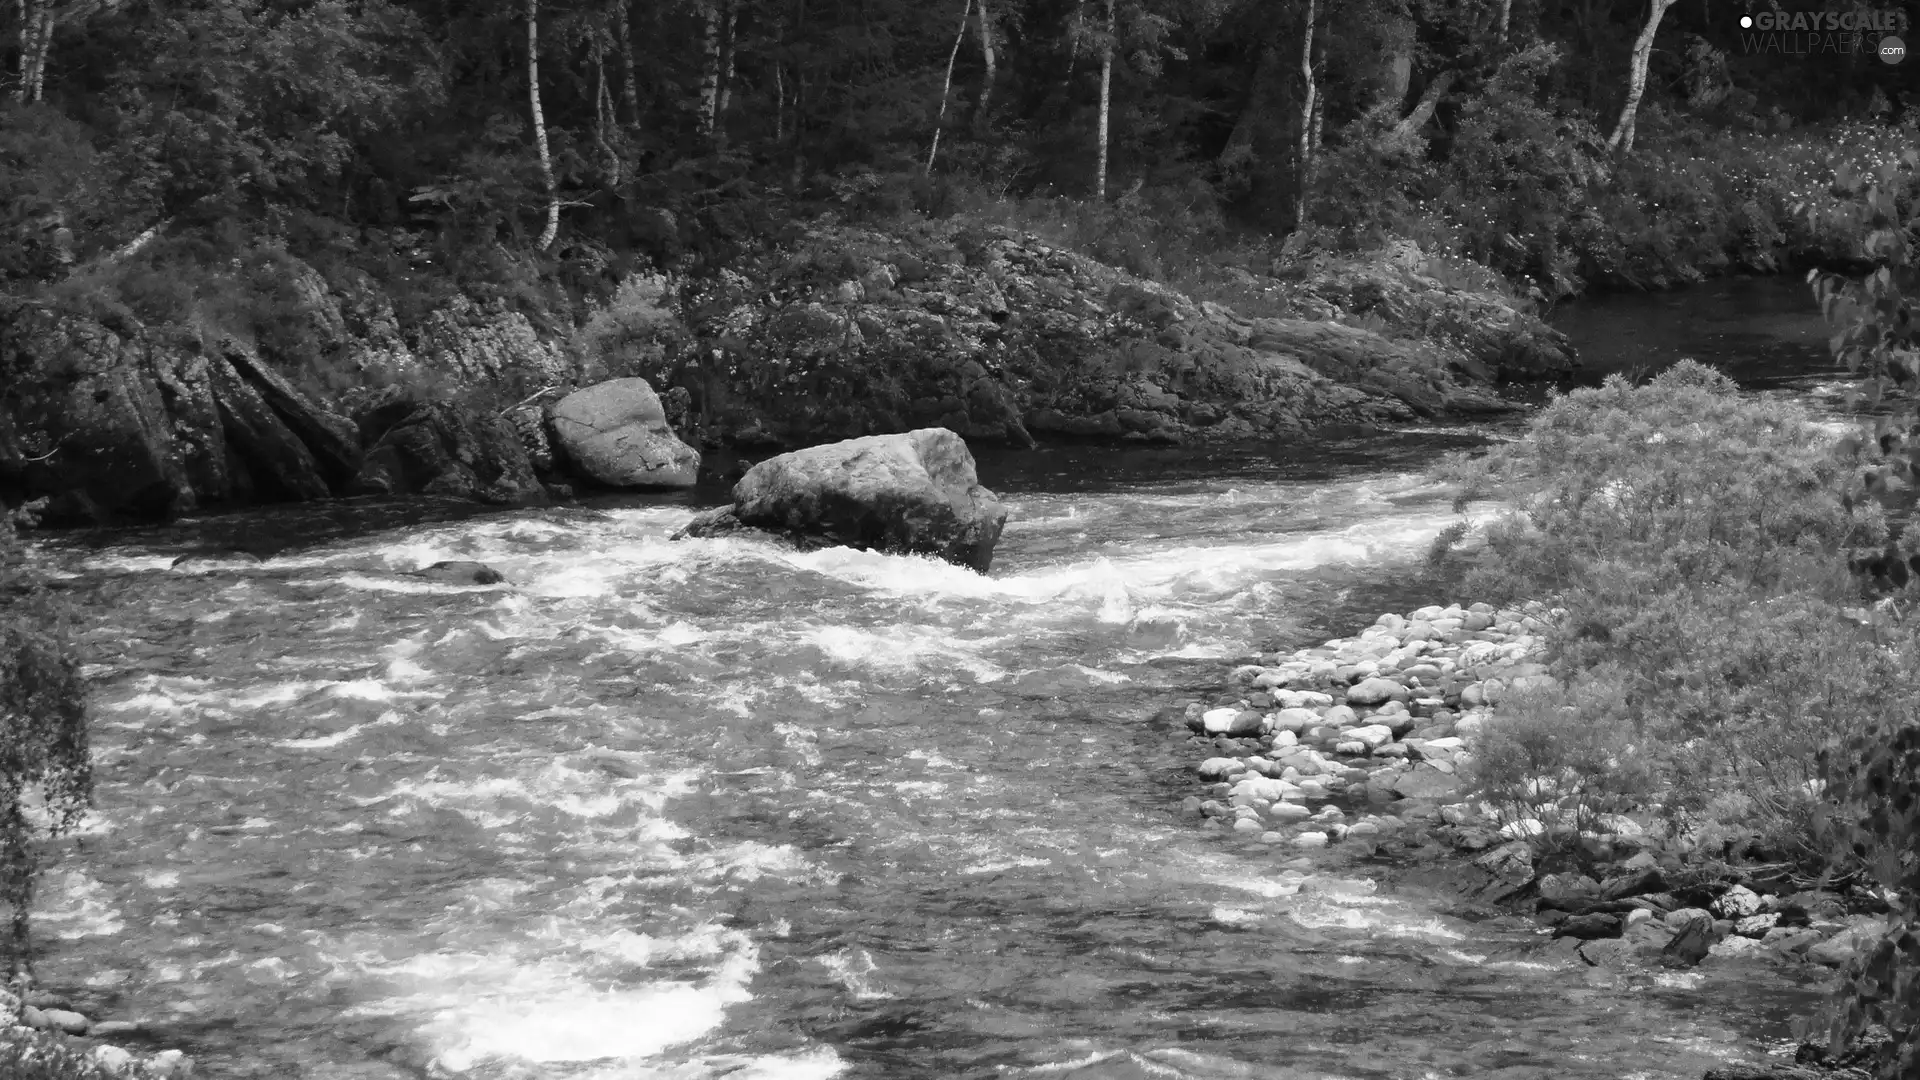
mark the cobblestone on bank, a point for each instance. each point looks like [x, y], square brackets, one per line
[24, 1009]
[1364, 740]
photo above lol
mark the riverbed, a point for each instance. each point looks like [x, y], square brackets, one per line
[715, 809]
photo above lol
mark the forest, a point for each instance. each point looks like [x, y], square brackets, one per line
[1563, 144]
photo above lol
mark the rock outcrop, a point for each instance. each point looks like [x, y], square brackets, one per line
[616, 433]
[439, 448]
[996, 335]
[140, 422]
[910, 493]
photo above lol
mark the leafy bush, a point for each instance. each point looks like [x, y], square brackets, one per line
[1681, 483]
[1874, 774]
[1698, 543]
[43, 729]
[1565, 757]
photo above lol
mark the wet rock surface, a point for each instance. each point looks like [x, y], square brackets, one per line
[912, 493]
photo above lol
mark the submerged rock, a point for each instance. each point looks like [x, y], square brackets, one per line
[461, 572]
[616, 432]
[194, 562]
[911, 493]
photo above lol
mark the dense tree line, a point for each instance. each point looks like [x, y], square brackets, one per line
[540, 120]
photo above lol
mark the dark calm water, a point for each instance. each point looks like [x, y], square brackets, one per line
[711, 809]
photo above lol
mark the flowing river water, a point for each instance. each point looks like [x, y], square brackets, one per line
[714, 809]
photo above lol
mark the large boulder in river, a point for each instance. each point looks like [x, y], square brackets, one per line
[616, 432]
[911, 493]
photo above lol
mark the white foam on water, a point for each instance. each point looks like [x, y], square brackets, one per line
[148, 701]
[902, 648]
[71, 905]
[855, 968]
[820, 1063]
[1235, 916]
[996, 866]
[481, 1008]
[127, 563]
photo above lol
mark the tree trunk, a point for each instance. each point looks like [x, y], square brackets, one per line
[603, 115]
[1240, 140]
[981, 115]
[779, 103]
[1307, 110]
[552, 228]
[710, 70]
[625, 30]
[21, 63]
[1410, 125]
[1622, 137]
[1506, 19]
[947, 87]
[36, 38]
[725, 80]
[1106, 100]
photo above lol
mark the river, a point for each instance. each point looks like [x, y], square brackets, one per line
[713, 809]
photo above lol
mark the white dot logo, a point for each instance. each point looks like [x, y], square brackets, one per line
[1746, 22]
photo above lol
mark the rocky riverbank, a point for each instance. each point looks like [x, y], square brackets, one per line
[1366, 741]
[802, 333]
[40, 1027]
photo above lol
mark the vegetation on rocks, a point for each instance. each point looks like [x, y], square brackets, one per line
[1718, 663]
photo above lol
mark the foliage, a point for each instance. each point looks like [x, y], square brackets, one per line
[1874, 774]
[1682, 480]
[43, 729]
[1560, 759]
[1696, 540]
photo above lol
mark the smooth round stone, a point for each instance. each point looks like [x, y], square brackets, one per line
[1217, 767]
[1363, 830]
[1340, 716]
[1294, 720]
[113, 1060]
[1271, 837]
[1310, 840]
[1286, 813]
[1283, 739]
[1350, 748]
[1248, 825]
[1375, 691]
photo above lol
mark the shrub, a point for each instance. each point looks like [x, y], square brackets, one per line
[1682, 482]
[43, 729]
[1874, 775]
[1563, 758]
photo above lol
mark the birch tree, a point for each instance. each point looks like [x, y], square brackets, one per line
[552, 227]
[1309, 105]
[1106, 100]
[946, 88]
[38, 20]
[1622, 138]
[981, 115]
